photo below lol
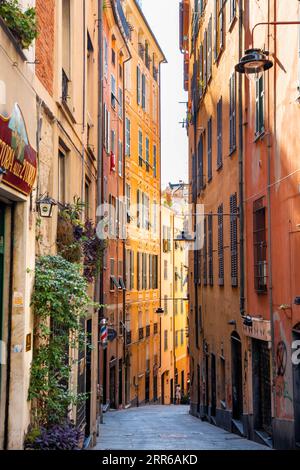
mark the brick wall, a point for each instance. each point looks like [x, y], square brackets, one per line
[45, 43]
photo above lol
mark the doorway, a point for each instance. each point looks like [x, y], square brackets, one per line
[206, 383]
[163, 389]
[172, 391]
[88, 387]
[237, 377]
[262, 387]
[147, 387]
[120, 382]
[2, 231]
[112, 387]
[213, 386]
[296, 384]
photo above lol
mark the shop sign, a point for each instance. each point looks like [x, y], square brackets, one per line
[17, 157]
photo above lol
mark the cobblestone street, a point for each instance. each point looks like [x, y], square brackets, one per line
[165, 428]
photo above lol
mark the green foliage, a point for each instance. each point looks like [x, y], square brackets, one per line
[22, 24]
[60, 301]
[77, 241]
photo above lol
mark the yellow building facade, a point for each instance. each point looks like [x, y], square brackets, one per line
[142, 173]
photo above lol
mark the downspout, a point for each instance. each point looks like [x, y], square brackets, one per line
[99, 281]
[124, 240]
[241, 168]
[83, 102]
[9, 328]
[269, 202]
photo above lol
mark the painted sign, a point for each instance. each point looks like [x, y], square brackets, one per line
[17, 157]
[261, 329]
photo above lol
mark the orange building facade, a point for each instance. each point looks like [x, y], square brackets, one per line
[244, 166]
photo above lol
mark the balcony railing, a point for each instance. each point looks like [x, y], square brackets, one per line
[141, 333]
[147, 331]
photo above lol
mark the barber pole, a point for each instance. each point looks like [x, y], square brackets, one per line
[103, 333]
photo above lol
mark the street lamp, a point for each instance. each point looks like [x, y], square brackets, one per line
[45, 206]
[254, 63]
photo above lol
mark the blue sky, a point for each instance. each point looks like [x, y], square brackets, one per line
[162, 16]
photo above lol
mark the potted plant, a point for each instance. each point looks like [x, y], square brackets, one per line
[22, 24]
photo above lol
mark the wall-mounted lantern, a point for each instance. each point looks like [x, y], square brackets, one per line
[160, 311]
[254, 63]
[45, 206]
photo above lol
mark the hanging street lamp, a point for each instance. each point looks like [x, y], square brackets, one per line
[254, 63]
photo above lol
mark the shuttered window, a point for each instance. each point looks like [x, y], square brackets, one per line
[260, 246]
[233, 240]
[219, 134]
[209, 50]
[194, 178]
[219, 27]
[138, 86]
[205, 61]
[200, 178]
[201, 77]
[205, 253]
[143, 91]
[232, 10]
[210, 251]
[232, 114]
[209, 150]
[259, 107]
[221, 245]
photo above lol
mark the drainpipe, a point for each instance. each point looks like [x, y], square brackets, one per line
[124, 241]
[83, 100]
[241, 168]
[9, 328]
[99, 281]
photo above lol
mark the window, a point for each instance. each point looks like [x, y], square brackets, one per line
[154, 161]
[222, 382]
[143, 91]
[155, 271]
[175, 307]
[87, 198]
[144, 274]
[128, 202]
[205, 61]
[66, 38]
[113, 141]
[176, 339]
[154, 218]
[165, 270]
[166, 304]
[138, 86]
[219, 27]
[120, 98]
[138, 208]
[232, 10]
[200, 178]
[201, 71]
[221, 245]
[210, 250]
[132, 284]
[165, 340]
[107, 133]
[61, 177]
[205, 253]
[140, 148]
[113, 281]
[127, 137]
[147, 154]
[260, 246]
[194, 178]
[259, 108]
[181, 337]
[139, 271]
[105, 55]
[120, 160]
[113, 92]
[232, 114]
[209, 150]
[219, 134]
[113, 56]
[209, 50]
[233, 240]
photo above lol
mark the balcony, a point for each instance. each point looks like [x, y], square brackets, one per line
[147, 331]
[155, 328]
[141, 333]
[128, 337]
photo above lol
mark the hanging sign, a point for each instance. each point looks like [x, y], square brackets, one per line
[17, 158]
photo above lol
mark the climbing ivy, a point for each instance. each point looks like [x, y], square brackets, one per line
[59, 301]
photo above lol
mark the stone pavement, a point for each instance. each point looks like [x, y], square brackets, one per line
[158, 427]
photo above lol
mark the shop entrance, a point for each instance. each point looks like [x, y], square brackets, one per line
[2, 214]
[296, 381]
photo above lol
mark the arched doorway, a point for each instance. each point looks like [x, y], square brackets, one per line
[296, 385]
[237, 377]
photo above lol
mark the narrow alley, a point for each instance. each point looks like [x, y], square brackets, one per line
[159, 427]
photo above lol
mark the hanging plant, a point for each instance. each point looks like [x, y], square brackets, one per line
[21, 23]
[77, 241]
[59, 301]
